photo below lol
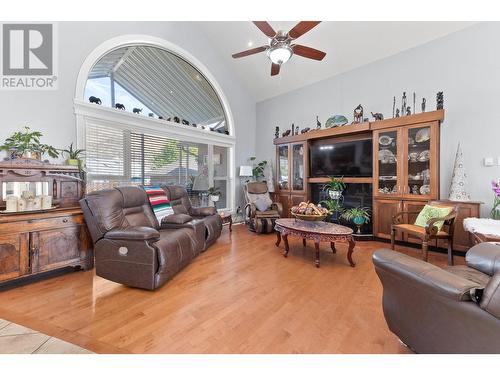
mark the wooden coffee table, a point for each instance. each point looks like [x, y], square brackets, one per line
[317, 231]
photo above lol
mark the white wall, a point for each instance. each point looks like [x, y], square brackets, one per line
[52, 111]
[465, 65]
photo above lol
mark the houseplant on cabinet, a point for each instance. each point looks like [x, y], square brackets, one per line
[26, 144]
[358, 215]
[73, 155]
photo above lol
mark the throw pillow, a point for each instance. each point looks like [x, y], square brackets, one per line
[431, 212]
[262, 204]
[159, 202]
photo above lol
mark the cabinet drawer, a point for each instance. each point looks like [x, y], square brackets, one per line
[41, 224]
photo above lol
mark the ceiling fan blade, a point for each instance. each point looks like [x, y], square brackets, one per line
[249, 52]
[275, 69]
[301, 28]
[265, 28]
[308, 52]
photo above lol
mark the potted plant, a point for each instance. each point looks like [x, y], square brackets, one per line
[358, 215]
[495, 211]
[258, 169]
[26, 144]
[334, 207]
[335, 187]
[73, 155]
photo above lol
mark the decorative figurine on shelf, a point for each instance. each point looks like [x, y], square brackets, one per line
[151, 114]
[95, 100]
[286, 133]
[439, 100]
[177, 119]
[296, 130]
[318, 124]
[305, 130]
[293, 128]
[160, 118]
[378, 116]
[403, 103]
[185, 122]
[408, 111]
[277, 132]
[137, 110]
[423, 105]
[393, 106]
[120, 106]
[397, 112]
[414, 102]
[358, 114]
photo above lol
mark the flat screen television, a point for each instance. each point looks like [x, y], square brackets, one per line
[348, 159]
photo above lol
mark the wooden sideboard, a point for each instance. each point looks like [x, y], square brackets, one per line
[39, 241]
[405, 182]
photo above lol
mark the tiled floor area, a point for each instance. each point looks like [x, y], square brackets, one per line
[16, 339]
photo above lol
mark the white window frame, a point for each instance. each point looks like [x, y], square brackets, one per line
[87, 113]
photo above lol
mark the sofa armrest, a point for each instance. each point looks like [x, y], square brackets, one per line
[484, 257]
[490, 301]
[278, 207]
[133, 233]
[203, 211]
[176, 219]
[250, 210]
[423, 275]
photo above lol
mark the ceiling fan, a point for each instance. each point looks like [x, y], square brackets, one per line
[280, 48]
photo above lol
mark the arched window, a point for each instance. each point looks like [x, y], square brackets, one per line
[148, 116]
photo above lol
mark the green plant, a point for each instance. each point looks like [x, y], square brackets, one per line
[335, 184]
[258, 170]
[27, 140]
[332, 205]
[73, 153]
[356, 212]
[214, 191]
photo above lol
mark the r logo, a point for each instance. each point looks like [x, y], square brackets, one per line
[27, 49]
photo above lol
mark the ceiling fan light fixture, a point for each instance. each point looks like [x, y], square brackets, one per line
[279, 54]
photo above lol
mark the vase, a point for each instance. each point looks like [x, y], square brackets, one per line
[335, 194]
[73, 162]
[359, 221]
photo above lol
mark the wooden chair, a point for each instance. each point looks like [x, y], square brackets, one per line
[427, 233]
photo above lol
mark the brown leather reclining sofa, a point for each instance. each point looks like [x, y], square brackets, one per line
[435, 310]
[131, 247]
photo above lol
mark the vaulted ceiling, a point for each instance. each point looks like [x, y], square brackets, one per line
[348, 45]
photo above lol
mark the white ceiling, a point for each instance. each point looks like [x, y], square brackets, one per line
[348, 45]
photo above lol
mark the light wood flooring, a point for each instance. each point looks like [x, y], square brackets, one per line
[240, 296]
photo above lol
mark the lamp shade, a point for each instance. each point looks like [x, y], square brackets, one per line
[200, 183]
[246, 171]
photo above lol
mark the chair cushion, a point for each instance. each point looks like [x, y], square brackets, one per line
[431, 212]
[159, 202]
[415, 229]
[263, 199]
[262, 204]
[177, 219]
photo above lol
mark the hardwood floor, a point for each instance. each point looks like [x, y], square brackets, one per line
[240, 296]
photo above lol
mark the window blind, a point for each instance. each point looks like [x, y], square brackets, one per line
[105, 151]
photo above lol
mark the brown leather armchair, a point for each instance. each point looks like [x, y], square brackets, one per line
[257, 220]
[179, 200]
[429, 232]
[435, 310]
[130, 246]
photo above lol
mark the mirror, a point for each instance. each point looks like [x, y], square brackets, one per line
[156, 83]
[16, 189]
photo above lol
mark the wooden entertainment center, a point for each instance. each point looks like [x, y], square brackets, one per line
[37, 241]
[405, 169]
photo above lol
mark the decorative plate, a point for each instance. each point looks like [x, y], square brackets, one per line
[425, 189]
[385, 155]
[385, 140]
[335, 121]
[424, 155]
[423, 135]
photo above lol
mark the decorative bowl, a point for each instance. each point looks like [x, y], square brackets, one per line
[310, 217]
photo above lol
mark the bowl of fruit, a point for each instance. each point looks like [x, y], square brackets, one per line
[309, 212]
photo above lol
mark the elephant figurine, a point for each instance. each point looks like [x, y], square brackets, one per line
[286, 133]
[95, 100]
[185, 122]
[120, 106]
[177, 119]
[137, 110]
[378, 116]
[305, 130]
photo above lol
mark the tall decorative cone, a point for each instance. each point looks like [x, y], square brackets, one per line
[270, 178]
[458, 186]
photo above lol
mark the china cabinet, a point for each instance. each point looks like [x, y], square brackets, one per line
[291, 174]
